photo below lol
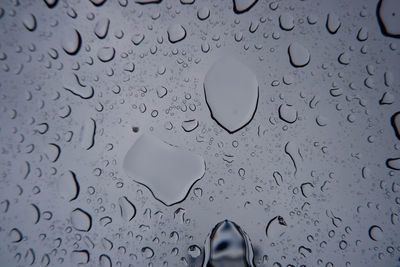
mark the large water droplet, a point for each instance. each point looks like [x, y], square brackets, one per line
[299, 56]
[389, 17]
[51, 3]
[203, 13]
[106, 54]
[333, 23]
[30, 22]
[393, 163]
[128, 210]
[81, 220]
[176, 33]
[241, 6]
[375, 232]
[395, 121]
[286, 21]
[98, 2]
[145, 2]
[72, 42]
[231, 91]
[228, 245]
[169, 172]
[101, 28]
[287, 113]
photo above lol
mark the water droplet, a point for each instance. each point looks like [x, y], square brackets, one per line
[389, 17]
[137, 38]
[203, 13]
[190, 125]
[344, 58]
[194, 251]
[387, 99]
[333, 23]
[362, 34]
[30, 22]
[299, 55]
[241, 6]
[286, 21]
[80, 257]
[81, 220]
[228, 244]
[375, 232]
[127, 209]
[312, 19]
[16, 235]
[145, 2]
[395, 121]
[187, 2]
[106, 54]
[105, 261]
[274, 228]
[147, 252]
[101, 28]
[176, 33]
[393, 163]
[68, 186]
[231, 91]
[98, 2]
[50, 3]
[321, 120]
[388, 78]
[178, 168]
[288, 113]
[293, 151]
[72, 42]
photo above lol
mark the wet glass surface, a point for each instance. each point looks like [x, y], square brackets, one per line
[199, 133]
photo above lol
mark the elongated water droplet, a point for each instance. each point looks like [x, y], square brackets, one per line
[30, 22]
[101, 28]
[395, 121]
[72, 42]
[231, 91]
[333, 23]
[106, 54]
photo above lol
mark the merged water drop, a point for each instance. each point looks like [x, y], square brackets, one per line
[169, 172]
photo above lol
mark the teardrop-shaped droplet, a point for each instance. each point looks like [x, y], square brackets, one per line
[231, 91]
